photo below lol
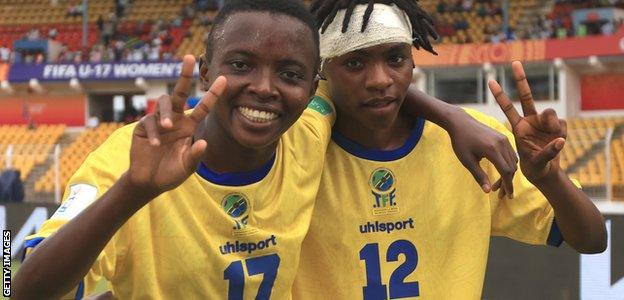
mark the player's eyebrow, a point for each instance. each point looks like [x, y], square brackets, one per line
[360, 52]
[397, 48]
[242, 52]
[292, 62]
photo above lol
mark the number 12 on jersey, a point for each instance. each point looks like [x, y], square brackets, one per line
[374, 288]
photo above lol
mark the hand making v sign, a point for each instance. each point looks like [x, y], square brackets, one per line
[539, 137]
[163, 153]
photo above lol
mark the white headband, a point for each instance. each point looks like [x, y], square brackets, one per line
[387, 24]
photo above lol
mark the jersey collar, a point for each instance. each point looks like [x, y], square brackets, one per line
[380, 155]
[235, 178]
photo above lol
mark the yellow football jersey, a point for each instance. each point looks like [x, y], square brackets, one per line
[411, 222]
[216, 236]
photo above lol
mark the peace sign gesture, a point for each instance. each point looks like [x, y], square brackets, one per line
[539, 137]
[163, 154]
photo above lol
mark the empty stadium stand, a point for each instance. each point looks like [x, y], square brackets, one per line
[73, 156]
[584, 156]
[33, 12]
[196, 42]
[583, 134]
[144, 10]
[30, 147]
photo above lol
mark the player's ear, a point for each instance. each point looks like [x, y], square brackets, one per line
[203, 73]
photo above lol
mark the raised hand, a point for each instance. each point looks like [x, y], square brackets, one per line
[471, 139]
[539, 137]
[163, 153]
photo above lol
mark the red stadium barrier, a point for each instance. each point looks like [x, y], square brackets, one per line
[68, 110]
[602, 92]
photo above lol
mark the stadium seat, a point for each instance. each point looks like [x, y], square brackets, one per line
[31, 148]
[74, 155]
[585, 153]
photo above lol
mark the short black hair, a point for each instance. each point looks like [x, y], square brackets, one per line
[293, 8]
[422, 25]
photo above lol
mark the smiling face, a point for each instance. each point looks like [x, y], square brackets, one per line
[369, 85]
[270, 63]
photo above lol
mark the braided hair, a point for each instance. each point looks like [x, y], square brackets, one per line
[422, 25]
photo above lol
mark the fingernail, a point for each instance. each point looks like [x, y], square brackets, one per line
[559, 144]
[486, 188]
[155, 142]
[167, 122]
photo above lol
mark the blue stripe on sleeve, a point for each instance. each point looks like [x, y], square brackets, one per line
[36, 241]
[554, 237]
[80, 290]
[31, 244]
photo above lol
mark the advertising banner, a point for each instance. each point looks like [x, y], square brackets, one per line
[96, 71]
[472, 54]
[538, 50]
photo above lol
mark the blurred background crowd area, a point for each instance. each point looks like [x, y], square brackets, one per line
[143, 30]
[119, 30]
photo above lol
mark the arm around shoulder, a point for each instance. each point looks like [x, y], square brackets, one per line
[471, 139]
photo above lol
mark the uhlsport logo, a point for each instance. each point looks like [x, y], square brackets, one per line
[382, 182]
[236, 206]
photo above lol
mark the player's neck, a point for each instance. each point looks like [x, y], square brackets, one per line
[373, 136]
[225, 155]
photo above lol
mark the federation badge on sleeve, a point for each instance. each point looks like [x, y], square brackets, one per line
[80, 196]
